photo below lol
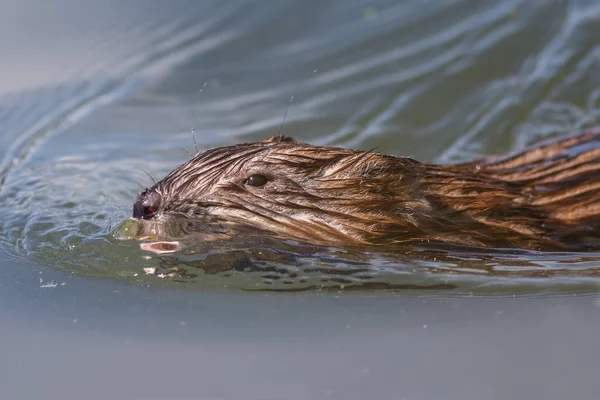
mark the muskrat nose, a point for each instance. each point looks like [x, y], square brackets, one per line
[146, 205]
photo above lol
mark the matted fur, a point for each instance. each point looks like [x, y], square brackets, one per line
[544, 197]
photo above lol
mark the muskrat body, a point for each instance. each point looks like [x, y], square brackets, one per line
[546, 197]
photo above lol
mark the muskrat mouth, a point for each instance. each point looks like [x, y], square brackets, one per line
[545, 197]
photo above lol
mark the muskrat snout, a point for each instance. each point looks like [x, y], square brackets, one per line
[146, 204]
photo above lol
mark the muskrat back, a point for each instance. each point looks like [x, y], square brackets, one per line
[546, 197]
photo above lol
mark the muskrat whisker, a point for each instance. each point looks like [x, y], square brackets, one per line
[140, 185]
[188, 152]
[286, 110]
[153, 181]
[194, 140]
[289, 105]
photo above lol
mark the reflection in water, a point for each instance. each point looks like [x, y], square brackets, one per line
[213, 256]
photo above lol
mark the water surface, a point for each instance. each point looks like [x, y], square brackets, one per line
[91, 92]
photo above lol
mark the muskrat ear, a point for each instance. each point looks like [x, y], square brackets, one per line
[279, 139]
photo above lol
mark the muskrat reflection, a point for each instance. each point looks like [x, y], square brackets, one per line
[546, 197]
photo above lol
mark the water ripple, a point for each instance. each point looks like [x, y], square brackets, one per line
[432, 80]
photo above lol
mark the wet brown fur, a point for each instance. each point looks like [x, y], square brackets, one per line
[546, 197]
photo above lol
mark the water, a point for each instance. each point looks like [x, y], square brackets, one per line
[91, 92]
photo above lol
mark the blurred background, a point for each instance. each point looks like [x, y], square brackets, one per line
[92, 92]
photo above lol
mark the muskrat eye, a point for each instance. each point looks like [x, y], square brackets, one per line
[256, 180]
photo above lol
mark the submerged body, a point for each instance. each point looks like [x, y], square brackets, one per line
[546, 197]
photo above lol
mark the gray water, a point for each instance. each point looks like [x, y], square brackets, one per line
[91, 92]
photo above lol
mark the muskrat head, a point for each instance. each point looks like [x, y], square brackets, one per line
[288, 188]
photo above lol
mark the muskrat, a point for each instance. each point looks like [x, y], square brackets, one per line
[545, 197]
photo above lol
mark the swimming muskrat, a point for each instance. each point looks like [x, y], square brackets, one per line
[546, 197]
